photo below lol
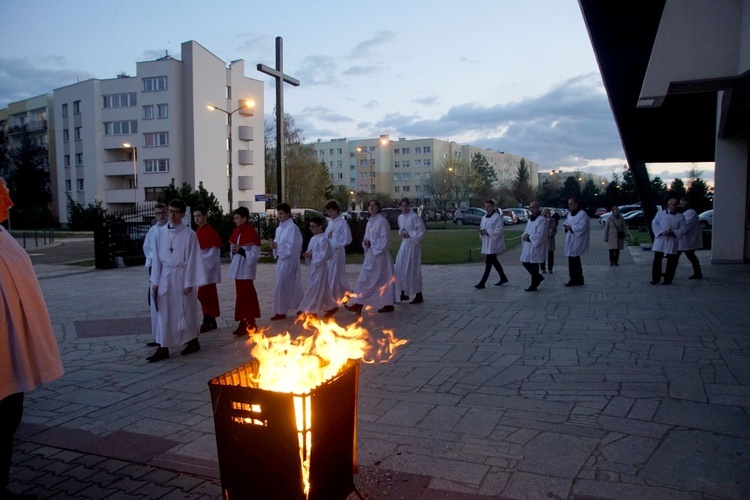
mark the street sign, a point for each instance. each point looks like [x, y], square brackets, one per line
[265, 197]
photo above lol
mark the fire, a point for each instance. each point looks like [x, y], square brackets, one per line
[298, 365]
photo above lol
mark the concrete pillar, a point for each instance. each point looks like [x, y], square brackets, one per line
[731, 222]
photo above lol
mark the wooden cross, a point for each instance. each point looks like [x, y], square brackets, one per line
[281, 78]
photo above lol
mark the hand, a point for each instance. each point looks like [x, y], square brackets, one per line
[307, 255]
[482, 232]
[330, 235]
[366, 242]
[155, 288]
[233, 248]
[187, 290]
[526, 237]
[274, 246]
[241, 251]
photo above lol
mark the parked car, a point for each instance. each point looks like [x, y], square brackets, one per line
[624, 210]
[471, 215]
[509, 218]
[520, 214]
[706, 219]
[600, 211]
[391, 215]
[635, 218]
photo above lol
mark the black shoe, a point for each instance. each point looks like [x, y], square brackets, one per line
[418, 299]
[550, 271]
[207, 327]
[502, 281]
[191, 347]
[696, 277]
[404, 297]
[666, 283]
[331, 312]
[480, 286]
[355, 308]
[386, 309]
[277, 317]
[618, 265]
[574, 283]
[532, 288]
[244, 328]
[654, 282]
[152, 344]
[161, 353]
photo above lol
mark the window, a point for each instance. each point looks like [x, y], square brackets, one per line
[417, 163]
[154, 193]
[427, 163]
[339, 151]
[426, 149]
[362, 175]
[362, 163]
[406, 189]
[67, 161]
[148, 112]
[339, 176]
[65, 112]
[404, 151]
[77, 131]
[162, 111]
[331, 163]
[156, 139]
[68, 185]
[322, 152]
[340, 164]
[417, 151]
[395, 151]
[155, 83]
[120, 100]
[76, 107]
[425, 175]
[160, 165]
[66, 135]
[79, 159]
[396, 164]
[315, 153]
[406, 176]
[396, 189]
[79, 184]
[372, 175]
[331, 176]
[395, 177]
[418, 189]
[405, 164]
[121, 128]
[331, 151]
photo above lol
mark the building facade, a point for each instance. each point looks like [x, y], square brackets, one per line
[404, 167]
[122, 141]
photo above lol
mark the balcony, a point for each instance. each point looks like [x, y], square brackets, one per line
[116, 168]
[246, 156]
[245, 182]
[119, 195]
[34, 127]
[246, 133]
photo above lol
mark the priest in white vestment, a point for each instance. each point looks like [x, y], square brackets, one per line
[668, 227]
[408, 267]
[534, 245]
[577, 236]
[287, 250]
[319, 295]
[340, 236]
[149, 242]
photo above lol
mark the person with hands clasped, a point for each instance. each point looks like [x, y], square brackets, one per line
[493, 243]
[244, 246]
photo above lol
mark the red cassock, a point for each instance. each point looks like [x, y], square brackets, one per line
[210, 244]
[242, 269]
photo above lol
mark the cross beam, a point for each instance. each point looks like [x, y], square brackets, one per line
[281, 78]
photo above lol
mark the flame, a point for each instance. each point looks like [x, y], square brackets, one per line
[298, 365]
[383, 289]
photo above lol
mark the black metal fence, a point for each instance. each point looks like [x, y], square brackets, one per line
[119, 238]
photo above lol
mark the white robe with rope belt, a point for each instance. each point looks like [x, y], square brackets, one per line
[376, 285]
[319, 296]
[339, 235]
[177, 265]
[408, 267]
[287, 294]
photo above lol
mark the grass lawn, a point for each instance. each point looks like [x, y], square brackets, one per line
[449, 246]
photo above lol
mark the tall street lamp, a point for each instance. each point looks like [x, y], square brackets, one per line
[245, 104]
[135, 172]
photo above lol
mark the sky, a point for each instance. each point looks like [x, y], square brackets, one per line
[508, 75]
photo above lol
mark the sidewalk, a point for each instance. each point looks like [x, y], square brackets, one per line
[617, 389]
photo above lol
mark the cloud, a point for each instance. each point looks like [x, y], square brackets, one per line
[20, 79]
[324, 114]
[318, 70]
[362, 71]
[429, 100]
[381, 39]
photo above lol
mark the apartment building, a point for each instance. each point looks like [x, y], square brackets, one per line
[121, 141]
[32, 118]
[404, 167]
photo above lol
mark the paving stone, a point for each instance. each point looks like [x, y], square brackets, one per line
[721, 419]
[556, 455]
[587, 488]
[525, 485]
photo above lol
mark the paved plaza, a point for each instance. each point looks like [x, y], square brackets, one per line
[617, 389]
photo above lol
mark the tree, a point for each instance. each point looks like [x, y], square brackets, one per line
[611, 195]
[628, 193]
[571, 189]
[549, 193]
[487, 176]
[306, 181]
[438, 186]
[698, 192]
[342, 196]
[658, 190]
[522, 188]
[590, 196]
[677, 189]
[29, 181]
[463, 180]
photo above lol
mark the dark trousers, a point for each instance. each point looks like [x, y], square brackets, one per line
[550, 261]
[575, 270]
[690, 254]
[614, 256]
[490, 261]
[533, 269]
[11, 411]
[671, 267]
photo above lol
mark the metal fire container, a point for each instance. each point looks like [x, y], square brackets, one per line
[258, 439]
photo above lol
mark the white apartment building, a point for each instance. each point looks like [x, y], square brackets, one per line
[162, 116]
[33, 118]
[404, 167]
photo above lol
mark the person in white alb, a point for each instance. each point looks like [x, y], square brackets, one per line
[160, 220]
[408, 267]
[339, 235]
[534, 241]
[176, 273]
[692, 239]
[577, 236]
[376, 284]
[287, 247]
[668, 227]
[319, 296]
[493, 242]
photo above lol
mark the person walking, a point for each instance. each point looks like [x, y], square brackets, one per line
[668, 227]
[160, 220]
[375, 287]
[493, 243]
[408, 267]
[692, 239]
[244, 246]
[29, 355]
[339, 235]
[577, 236]
[615, 232]
[319, 295]
[210, 244]
[176, 273]
[287, 248]
[552, 220]
[534, 245]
